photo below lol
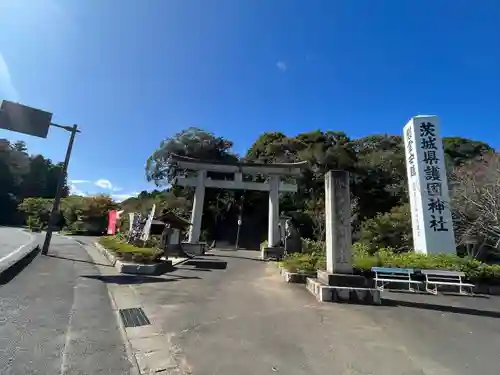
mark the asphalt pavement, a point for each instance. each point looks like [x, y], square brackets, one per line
[228, 313]
[15, 243]
[56, 317]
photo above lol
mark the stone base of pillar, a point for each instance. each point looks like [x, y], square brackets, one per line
[329, 293]
[341, 279]
[194, 248]
[272, 253]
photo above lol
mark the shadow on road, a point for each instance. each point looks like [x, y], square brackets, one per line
[135, 279]
[78, 260]
[442, 308]
[14, 270]
[190, 269]
[212, 264]
[236, 257]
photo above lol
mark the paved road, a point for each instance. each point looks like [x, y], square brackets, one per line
[56, 320]
[13, 245]
[228, 313]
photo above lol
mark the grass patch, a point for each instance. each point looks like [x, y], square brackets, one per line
[130, 252]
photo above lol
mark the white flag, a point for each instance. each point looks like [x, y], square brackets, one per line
[147, 226]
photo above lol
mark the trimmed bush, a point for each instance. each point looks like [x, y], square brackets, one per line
[128, 251]
[302, 262]
[313, 258]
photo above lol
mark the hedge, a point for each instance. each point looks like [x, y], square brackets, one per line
[127, 251]
[313, 258]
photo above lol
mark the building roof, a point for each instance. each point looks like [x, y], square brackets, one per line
[174, 220]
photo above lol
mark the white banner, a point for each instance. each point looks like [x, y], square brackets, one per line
[147, 226]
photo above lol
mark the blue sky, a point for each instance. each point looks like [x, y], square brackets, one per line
[131, 73]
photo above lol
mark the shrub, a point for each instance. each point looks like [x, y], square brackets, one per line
[389, 229]
[299, 263]
[128, 251]
[34, 223]
[314, 247]
[474, 270]
[363, 258]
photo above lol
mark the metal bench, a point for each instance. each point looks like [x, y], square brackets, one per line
[385, 275]
[433, 278]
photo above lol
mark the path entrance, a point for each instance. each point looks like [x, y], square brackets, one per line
[237, 171]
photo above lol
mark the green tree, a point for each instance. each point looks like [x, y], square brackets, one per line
[37, 209]
[199, 144]
[192, 142]
[87, 214]
[24, 176]
[389, 229]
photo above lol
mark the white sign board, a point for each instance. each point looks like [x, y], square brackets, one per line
[428, 187]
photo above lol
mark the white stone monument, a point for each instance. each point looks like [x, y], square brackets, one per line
[428, 187]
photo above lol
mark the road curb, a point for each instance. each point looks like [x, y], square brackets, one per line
[13, 263]
[110, 257]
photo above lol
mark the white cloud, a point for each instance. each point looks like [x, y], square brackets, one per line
[7, 89]
[281, 65]
[73, 190]
[105, 184]
[106, 187]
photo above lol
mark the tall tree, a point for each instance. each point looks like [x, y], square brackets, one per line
[24, 176]
[199, 144]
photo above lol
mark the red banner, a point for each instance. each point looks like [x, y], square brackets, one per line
[112, 222]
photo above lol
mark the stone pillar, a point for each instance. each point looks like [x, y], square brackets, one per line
[197, 212]
[338, 222]
[273, 234]
[338, 283]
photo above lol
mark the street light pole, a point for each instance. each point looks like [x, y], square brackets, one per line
[57, 200]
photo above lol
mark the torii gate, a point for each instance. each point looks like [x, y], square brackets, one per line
[273, 185]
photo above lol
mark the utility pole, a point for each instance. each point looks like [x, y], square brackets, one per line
[57, 200]
[36, 122]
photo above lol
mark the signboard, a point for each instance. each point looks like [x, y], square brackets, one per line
[22, 119]
[428, 187]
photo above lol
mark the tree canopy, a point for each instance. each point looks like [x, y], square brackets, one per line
[24, 176]
[376, 162]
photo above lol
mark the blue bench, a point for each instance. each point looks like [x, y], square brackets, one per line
[385, 275]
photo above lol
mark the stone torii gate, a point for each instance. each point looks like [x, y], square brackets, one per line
[273, 185]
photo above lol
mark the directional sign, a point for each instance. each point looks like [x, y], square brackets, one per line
[22, 119]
